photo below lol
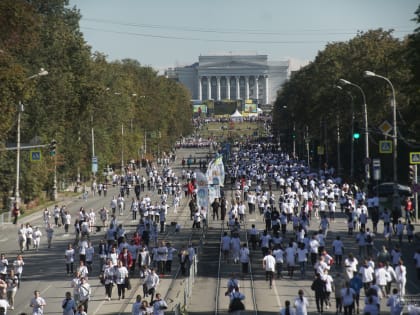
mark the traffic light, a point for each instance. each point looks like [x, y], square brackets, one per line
[53, 146]
[356, 131]
[411, 174]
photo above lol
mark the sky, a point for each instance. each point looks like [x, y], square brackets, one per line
[170, 33]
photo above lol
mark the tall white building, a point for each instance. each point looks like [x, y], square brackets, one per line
[233, 77]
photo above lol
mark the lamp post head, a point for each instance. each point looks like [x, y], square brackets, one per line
[369, 74]
[337, 87]
[345, 82]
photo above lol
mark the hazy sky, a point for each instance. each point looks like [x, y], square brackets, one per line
[167, 33]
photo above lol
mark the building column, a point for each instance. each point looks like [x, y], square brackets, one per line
[208, 87]
[200, 89]
[228, 88]
[247, 88]
[218, 88]
[238, 89]
[267, 91]
[257, 88]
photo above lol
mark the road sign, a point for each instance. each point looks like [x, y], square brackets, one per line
[376, 164]
[35, 155]
[414, 157]
[385, 127]
[385, 146]
[320, 150]
[94, 164]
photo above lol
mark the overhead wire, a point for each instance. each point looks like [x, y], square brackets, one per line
[221, 31]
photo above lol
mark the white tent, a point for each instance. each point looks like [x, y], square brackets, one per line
[236, 116]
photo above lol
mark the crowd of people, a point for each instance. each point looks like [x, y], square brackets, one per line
[299, 209]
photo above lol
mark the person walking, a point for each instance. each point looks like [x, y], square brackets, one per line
[69, 257]
[236, 305]
[37, 303]
[84, 293]
[287, 310]
[269, 265]
[68, 305]
[301, 304]
[12, 286]
[109, 278]
[137, 305]
[348, 298]
[120, 279]
[159, 305]
[244, 259]
[401, 277]
[318, 286]
[151, 281]
[395, 303]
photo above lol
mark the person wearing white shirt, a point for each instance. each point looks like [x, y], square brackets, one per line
[401, 277]
[328, 279]
[381, 276]
[29, 236]
[301, 304]
[314, 246]
[367, 273]
[269, 265]
[350, 263]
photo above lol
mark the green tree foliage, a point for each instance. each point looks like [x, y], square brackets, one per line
[122, 102]
[311, 98]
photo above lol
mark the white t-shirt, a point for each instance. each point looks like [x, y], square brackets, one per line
[269, 263]
[302, 254]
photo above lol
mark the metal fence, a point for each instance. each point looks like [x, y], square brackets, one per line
[179, 308]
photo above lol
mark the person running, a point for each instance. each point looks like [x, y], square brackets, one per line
[37, 303]
[301, 304]
[269, 265]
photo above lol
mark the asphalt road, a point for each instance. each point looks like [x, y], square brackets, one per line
[45, 269]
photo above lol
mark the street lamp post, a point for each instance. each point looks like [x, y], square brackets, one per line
[41, 73]
[394, 135]
[367, 159]
[352, 132]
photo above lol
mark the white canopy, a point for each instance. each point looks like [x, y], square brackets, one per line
[236, 114]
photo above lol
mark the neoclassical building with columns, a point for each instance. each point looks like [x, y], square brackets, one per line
[233, 77]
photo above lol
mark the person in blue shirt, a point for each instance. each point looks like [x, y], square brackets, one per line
[356, 284]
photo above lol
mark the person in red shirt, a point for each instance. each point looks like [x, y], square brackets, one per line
[126, 258]
[409, 209]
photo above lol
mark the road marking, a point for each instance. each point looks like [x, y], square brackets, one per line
[4, 240]
[276, 294]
